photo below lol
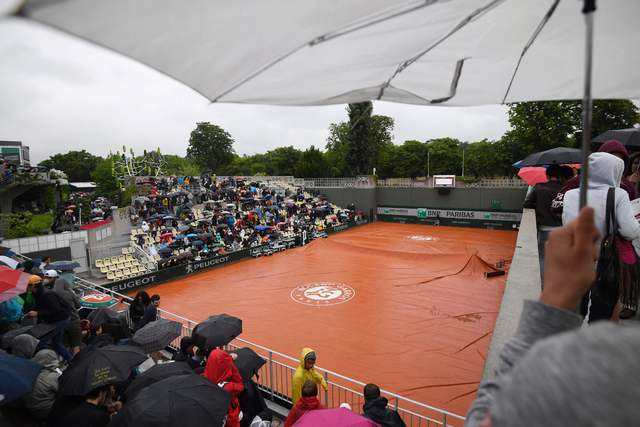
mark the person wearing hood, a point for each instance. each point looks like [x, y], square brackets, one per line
[24, 345]
[42, 397]
[62, 287]
[51, 309]
[612, 147]
[186, 353]
[304, 372]
[221, 370]
[376, 408]
[308, 402]
[605, 172]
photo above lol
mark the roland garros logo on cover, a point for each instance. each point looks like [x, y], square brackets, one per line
[322, 293]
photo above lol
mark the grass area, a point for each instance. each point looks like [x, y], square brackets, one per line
[27, 224]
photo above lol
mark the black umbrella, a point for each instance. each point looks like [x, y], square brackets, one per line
[554, 156]
[156, 335]
[248, 362]
[217, 331]
[177, 401]
[628, 137]
[94, 368]
[155, 374]
[103, 315]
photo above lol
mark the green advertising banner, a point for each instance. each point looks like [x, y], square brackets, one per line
[451, 217]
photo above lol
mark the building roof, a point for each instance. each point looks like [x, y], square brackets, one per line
[11, 143]
[83, 184]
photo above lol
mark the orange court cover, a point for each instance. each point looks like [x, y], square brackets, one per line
[404, 306]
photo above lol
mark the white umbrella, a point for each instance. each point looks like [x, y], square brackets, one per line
[9, 262]
[304, 52]
[429, 52]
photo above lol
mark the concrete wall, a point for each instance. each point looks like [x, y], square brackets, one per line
[523, 283]
[507, 199]
[58, 254]
[363, 198]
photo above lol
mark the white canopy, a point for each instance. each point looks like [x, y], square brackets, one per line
[312, 52]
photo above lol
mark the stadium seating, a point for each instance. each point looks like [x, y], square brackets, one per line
[119, 267]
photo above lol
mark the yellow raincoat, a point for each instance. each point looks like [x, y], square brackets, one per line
[302, 375]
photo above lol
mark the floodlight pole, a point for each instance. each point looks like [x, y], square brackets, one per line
[587, 103]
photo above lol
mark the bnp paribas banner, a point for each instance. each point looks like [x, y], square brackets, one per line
[453, 217]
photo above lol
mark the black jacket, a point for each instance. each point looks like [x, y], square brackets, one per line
[150, 315]
[378, 411]
[540, 199]
[50, 306]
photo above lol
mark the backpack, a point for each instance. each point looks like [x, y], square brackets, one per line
[605, 289]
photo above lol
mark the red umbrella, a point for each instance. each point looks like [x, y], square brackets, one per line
[12, 283]
[533, 175]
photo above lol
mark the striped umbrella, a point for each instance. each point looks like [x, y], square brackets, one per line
[155, 336]
[12, 283]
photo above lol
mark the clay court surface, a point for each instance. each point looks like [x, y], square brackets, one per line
[420, 320]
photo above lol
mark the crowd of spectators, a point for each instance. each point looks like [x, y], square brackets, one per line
[184, 218]
[53, 331]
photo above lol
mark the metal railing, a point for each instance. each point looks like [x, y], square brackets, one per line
[279, 369]
[348, 182]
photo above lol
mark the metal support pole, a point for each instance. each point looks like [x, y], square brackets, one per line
[587, 104]
[326, 392]
[463, 162]
[271, 374]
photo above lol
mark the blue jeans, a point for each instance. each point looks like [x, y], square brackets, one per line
[55, 340]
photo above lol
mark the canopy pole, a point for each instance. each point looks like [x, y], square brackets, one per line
[587, 102]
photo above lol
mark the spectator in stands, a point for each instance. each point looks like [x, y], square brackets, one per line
[90, 412]
[28, 296]
[221, 370]
[612, 147]
[605, 172]
[540, 199]
[553, 371]
[51, 309]
[264, 419]
[185, 353]
[376, 408]
[24, 345]
[41, 399]
[138, 306]
[150, 312]
[308, 402]
[49, 278]
[74, 330]
[304, 372]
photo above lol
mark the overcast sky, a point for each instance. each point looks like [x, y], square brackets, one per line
[59, 93]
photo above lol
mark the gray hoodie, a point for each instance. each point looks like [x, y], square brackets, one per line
[63, 288]
[605, 171]
[41, 399]
[552, 373]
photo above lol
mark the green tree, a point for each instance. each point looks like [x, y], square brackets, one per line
[177, 165]
[355, 147]
[78, 165]
[210, 147]
[481, 159]
[246, 165]
[445, 156]
[282, 160]
[337, 147]
[107, 184]
[312, 164]
[360, 145]
[543, 125]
